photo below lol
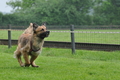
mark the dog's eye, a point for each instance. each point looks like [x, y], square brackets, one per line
[42, 29]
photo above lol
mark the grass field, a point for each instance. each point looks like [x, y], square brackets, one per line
[111, 38]
[60, 64]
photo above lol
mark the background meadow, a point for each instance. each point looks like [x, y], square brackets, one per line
[104, 38]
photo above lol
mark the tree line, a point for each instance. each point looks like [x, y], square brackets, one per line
[62, 12]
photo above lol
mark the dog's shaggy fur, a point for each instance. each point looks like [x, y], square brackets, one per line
[30, 43]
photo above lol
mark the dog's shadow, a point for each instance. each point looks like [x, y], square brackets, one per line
[18, 68]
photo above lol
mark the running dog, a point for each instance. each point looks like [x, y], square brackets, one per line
[30, 44]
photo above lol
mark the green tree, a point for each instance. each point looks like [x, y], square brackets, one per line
[1, 15]
[60, 12]
[106, 12]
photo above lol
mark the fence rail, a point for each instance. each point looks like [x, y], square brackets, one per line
[56, 44]
[84, 32]
[68, 27]
[83, 46]
[66, 31]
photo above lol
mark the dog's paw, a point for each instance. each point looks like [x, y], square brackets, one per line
[22, 65]
[27, 65]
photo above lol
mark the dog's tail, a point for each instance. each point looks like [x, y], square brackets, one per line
[14, 55]
[29, 30]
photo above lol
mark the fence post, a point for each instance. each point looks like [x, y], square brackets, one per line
[72, 39]
[9, 36]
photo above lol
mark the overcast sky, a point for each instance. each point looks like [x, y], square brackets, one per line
[3, 7]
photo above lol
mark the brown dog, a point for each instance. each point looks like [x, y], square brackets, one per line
[30, 43]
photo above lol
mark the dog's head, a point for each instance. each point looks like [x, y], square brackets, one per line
[40, 31]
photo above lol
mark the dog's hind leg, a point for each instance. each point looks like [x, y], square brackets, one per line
[26, 58]
[32, 61]
[18, 56]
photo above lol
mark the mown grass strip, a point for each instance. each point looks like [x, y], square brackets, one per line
[60, 64]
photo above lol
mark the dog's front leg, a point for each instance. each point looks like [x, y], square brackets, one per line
[33, 57]
[26, 58]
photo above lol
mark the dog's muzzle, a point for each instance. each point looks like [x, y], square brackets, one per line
[44, 34]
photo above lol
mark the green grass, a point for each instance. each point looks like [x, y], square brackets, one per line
[87, 37]
[14, 34]
[79, 37]
[60, 64]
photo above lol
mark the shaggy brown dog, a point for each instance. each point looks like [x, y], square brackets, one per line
[30, 43]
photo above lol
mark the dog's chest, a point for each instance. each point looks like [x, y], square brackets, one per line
[35, 53]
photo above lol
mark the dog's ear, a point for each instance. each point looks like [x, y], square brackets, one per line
[35, 26]
[44, 23]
